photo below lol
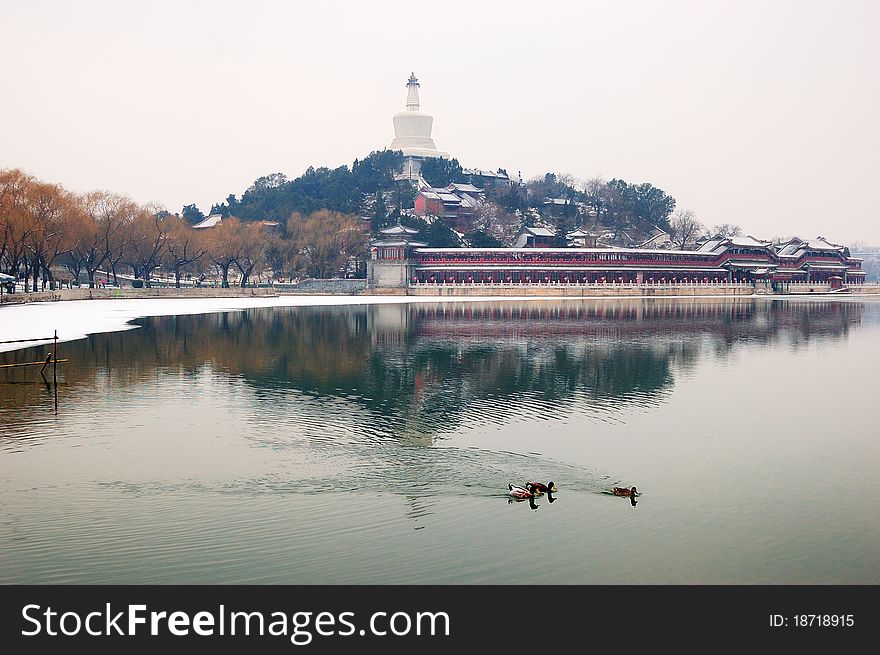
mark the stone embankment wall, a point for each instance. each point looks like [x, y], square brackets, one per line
[324, 287]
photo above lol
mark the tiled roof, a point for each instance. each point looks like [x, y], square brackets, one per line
[211, 221]
[540, 231]
[467, 188]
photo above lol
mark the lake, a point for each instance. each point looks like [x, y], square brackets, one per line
[375, 443]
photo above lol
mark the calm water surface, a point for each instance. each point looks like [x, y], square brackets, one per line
[374, 444]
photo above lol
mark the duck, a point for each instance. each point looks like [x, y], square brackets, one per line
[628, 492]
[519, 492]
[540, 487]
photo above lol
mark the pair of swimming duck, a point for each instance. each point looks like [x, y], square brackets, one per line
[531, 489]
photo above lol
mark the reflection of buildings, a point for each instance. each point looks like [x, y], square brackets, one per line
[554, 353]
[419, 369]
[609, 323]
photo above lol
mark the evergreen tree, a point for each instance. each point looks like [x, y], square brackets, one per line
[192, 214]
[439, 172]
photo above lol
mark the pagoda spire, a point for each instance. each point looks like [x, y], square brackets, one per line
[412, 95]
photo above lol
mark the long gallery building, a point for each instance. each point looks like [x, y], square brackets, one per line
[398, 259]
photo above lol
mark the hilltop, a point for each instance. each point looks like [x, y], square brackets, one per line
[619, 212]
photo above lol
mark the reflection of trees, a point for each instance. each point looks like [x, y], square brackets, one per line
[497, 381]
[420, 368]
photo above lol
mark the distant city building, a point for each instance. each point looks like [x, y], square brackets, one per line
[412, 133]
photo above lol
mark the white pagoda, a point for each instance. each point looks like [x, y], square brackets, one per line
[412, 132]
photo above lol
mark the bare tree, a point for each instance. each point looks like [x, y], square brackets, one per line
[223, 246]
[253, 249]
[279, 255]
[16, 221]
[596, 197]
[325, 241]
[105, 238]
[495, 220]
[47, 207]
[568, 180]
[81, 231]
[149, 239]
[685, 228]
[727, 230]
[183, 247]
[70, 224]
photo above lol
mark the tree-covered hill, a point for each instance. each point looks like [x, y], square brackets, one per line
[629, 211]
[274, 197]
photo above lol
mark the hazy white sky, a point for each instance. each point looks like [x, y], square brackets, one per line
[758, 113]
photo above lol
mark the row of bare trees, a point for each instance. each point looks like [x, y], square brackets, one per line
[44, 227]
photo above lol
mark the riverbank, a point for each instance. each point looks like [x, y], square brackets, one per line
[475, 292]
[130, 293]
[82, 317]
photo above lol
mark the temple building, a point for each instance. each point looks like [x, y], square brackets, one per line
[581, 238]
[489, 179]
[456, 204]
[412, 132]
[391, 256]
[535, 237]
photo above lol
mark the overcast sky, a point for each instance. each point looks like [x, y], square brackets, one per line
[763, 113]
